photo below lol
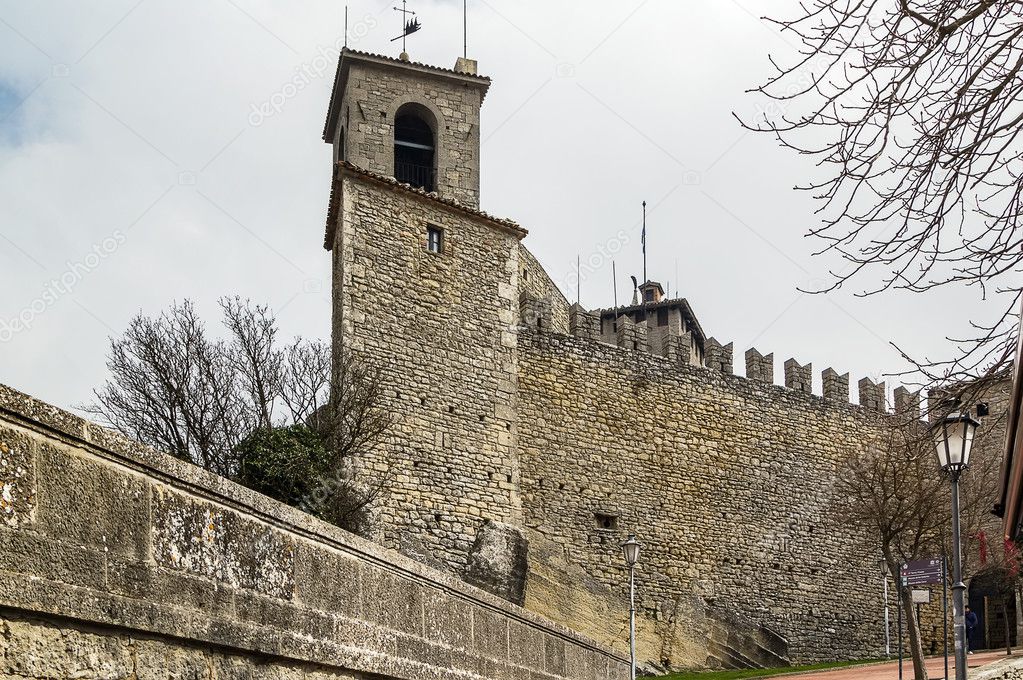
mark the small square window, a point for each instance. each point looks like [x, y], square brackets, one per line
[434, 239]
[605, 521]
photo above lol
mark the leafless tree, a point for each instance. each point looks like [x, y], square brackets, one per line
[891, 494]
[912, 110]
[894, 495]
[175, 387]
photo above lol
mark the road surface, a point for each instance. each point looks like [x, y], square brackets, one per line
[890, 671]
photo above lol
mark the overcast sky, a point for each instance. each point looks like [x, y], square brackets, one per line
[135, 171]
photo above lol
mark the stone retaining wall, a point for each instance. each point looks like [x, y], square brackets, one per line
[117, 561]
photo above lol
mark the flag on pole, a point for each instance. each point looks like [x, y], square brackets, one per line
[643, 242]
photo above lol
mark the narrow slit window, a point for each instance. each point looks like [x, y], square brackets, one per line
[434, 239]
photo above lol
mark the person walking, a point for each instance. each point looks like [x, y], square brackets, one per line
[971, 628]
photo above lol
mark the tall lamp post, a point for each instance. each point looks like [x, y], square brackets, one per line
[630, 549]
[883, 564]
[953, 439]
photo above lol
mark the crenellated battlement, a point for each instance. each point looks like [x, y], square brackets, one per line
[676, 345]
[759, 367]
[872, 394]
[798, 377]
[836, 387]
[718, 356]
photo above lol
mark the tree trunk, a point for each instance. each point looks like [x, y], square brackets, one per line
[1005, 616]
[916, 647]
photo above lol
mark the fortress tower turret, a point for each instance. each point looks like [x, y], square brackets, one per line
[425, 288]
[419, 124]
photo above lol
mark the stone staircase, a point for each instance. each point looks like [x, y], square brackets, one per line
[734, 643]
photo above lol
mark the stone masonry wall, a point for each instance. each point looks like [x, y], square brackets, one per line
[441, 328]
[726, 481]
[537, 284]
[377, 88]
[117, 561]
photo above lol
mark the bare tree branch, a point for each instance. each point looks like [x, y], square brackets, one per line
[912, 110]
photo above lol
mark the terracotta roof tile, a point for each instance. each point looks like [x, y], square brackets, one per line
[681, 303]
[343, 167]
[327, 136]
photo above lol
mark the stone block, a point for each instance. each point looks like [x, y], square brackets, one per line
[642, 337]
[17, 478]
[626, 334]
[391, 601]
[798, 377]
[208, 540]
[583, 324]
[327, 580]
[489, 634]
[760, 366]
[526, 646]
[835, 386]
[497, 561]
[130, 579]
[554, 655]
[92, 503]
[34, 649]
[872, 395]
[718, 356]
[157, 660]
[907, 404]
[251, 607]
[39, 556]
[535, 313]
[196, 593]
[447, 618]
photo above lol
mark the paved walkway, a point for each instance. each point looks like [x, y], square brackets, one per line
[890, 671]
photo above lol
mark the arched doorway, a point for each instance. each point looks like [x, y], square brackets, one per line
[415, 147]
[995, 610]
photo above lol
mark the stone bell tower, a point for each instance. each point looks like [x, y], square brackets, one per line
[419, 124]
[425, 289]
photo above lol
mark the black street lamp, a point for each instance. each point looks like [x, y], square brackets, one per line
[953, 440]
[630, 549]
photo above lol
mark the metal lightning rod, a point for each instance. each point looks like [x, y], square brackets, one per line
[614, 283]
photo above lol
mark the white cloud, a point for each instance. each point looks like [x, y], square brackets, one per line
[137, 118]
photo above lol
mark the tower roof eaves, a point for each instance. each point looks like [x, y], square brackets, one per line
[648, 306]
[346, 168]
[349, 56]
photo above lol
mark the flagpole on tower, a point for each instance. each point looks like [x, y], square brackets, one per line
[578, 281]
[614, 284]
[643, 240]
[465, 29]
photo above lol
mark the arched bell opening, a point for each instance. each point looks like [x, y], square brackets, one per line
[415, 147]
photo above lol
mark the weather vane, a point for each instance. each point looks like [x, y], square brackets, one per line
[410, 25]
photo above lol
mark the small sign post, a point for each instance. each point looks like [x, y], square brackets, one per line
[922, 572]
[926, 572]
[944, 613]
[920, 596]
